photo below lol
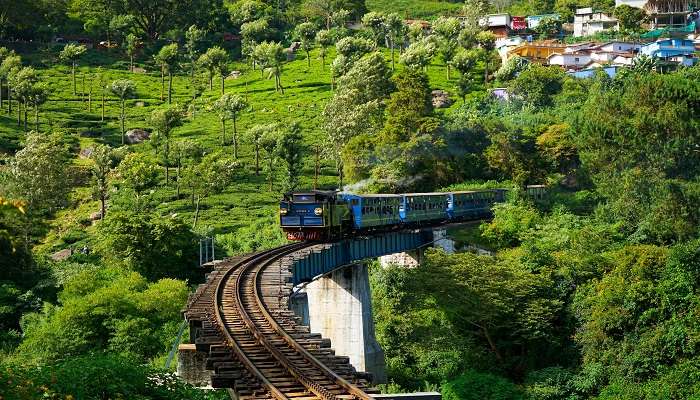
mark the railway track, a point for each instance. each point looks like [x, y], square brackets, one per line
[255, 345]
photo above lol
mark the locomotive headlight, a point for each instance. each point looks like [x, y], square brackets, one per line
[318, 211]
[283, 211]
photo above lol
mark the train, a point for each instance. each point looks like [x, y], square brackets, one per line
[328, 215]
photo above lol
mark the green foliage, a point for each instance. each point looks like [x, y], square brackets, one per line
[96, 376]
[153, 245]
[630, 18]
[101, 310]
[473, 385]
[537, 84]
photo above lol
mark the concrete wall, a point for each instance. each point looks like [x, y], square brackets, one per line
[191, 366]
[340, 309]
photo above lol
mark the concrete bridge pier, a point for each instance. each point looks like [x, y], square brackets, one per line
[340, 308]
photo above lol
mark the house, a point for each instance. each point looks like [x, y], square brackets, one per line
[538, 51]
[662, 13]
[590, 72]
[518, 23]
[570, 61]
[498, 24]
[619, 47]
[588, 22]
[504, 45]
[678, 50]
[534, 20]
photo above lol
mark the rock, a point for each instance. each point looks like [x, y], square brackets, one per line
[86, 152]
[97, 215]
[441, 99]
[139, 70]
[62, 255]
[140, 104]
[134, 136]
[234, 75]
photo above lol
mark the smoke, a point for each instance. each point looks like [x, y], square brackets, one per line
[384, 184]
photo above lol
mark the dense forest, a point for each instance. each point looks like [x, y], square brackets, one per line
[190, 119]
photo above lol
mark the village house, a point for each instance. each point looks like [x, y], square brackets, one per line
[498, 24]
[663, 13]
[538, 51]
[677, 50]
[588, 22]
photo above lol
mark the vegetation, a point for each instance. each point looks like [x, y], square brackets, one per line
[589, 293]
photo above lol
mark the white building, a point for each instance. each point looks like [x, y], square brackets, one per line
[570, 61]
[588, 22]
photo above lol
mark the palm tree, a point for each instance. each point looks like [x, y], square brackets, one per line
[124, 89]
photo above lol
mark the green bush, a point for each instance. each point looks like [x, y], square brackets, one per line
[473, 385]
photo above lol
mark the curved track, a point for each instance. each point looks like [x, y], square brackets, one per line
[255, 345]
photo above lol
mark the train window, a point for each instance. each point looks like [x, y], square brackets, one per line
[355, 202]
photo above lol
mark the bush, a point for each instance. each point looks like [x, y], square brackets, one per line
[473, 385]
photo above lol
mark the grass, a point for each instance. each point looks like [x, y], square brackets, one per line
[248, 199]
[415, 9]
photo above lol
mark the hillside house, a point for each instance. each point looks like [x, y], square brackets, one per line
[570, 61]
[538, 51]
[588, 22]
[663, 13]
[518, 23]
[677, 50]
[498, 24]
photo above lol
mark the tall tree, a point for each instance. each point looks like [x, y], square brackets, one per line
[123, 89]
[229, 106]
[447, 30]
[306, 33]
[273, 57]
[23, 82]
[100, 168]
[269, 142]
[4, 54]
[193, 37]
[253, 33]
[256, 133]
[289, 150]
[375, 22]
[71, 53]
[324, 38]
[218, 59]
[7, 66]
[163, 122]
[396, 33]
[131, 44]
[168, 59]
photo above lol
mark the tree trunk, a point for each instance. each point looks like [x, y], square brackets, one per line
[123, 118]
[166, 152]
[392, 56]
[162, 82]
[82, 87]
[36, 118]
[211, 81]
[9, 99]
[223, 132]
[257, 160]
[196, 213]
[25, 117]
[19, 113]
[448, 71]
[170, 87]
[323, 60]
[308, 58]
[103, 209]
[75, 89]
[177, 178]
[235, 138]
[131, 63]
[223, 84]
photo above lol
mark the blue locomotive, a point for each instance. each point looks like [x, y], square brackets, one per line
[326, 215]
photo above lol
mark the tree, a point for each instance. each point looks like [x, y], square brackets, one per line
[185, 152]
[71, 53]
[100, 169]
[38, 175]
[9, 64]
[418, 55]
[324, 38]
[229, 106]
[23, 82]
[396, 33]
[193, 37]
[268, 142]
[273, 58]
[356, 106]
[131, 45]
[4, 54]
[289, 150]
[548, 27]
[487, 43]
[349, 50]
[216, 58]
[511, 68]
[137, 172]
[38, 96]
[123, 89]
[464, 61]
[306, 33]
[375, 22]
[253, 33]
[167, 57]
[163, 122]
[122, 25]
[537, 84]
[629, 18]
[447, 30]
[212, 175]
[256, 133]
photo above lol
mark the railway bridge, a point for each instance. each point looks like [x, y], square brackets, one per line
[251, 322]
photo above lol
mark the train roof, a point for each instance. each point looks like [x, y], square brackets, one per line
[427, 194]
[371, 195]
